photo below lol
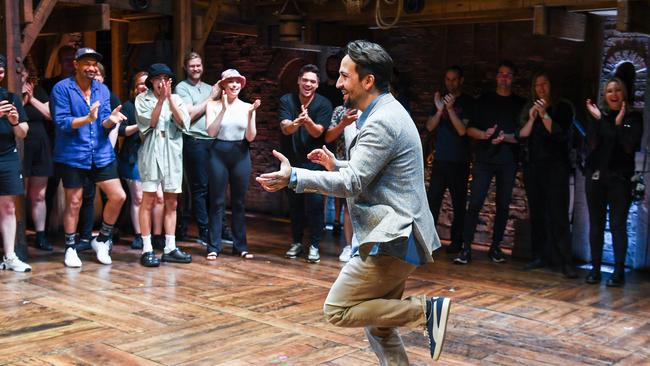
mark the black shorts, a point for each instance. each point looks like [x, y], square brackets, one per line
[11, 179]
[74, 177]
[37, 160]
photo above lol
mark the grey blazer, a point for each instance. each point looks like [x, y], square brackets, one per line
[383, 181]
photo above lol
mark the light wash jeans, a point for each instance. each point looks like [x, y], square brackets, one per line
[368, 293]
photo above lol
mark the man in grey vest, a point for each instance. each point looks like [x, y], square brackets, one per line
[383, 183]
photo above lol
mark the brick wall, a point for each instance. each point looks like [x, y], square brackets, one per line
[420, 54]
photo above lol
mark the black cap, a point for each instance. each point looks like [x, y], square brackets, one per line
[87, 52]
[156, 70]
[3, 61]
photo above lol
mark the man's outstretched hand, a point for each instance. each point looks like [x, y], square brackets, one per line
[276, 181]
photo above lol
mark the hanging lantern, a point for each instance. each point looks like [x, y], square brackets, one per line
[290, 19]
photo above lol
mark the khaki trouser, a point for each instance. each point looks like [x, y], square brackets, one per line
[368, 293]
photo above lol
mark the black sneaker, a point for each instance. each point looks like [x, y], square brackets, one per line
[454, 247]
[534, 264]
[568, 271]
[617, 279]
[496, 255]
[204, 236]
[137, 242]
[593, 277]
[336, 229]
[437, 315]
[42, 243]
[464, 257]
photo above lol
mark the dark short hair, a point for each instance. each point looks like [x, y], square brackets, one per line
[308, 68]
[509, 64]
[456, 69]
[371, 59]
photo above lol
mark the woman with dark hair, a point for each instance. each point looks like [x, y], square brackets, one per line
[546, 133]
[232, 122]
[13, 124]
[37, 157]
[128, 166]
[614, 135]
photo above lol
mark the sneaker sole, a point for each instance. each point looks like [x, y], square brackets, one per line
[313, 261]
[442, 329]
[460, 261]
[498, 260]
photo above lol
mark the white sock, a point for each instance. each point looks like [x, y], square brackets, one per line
[146, 243]
[170, 243]
[11, 255]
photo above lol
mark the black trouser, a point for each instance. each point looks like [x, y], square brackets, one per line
[229, 163]
[453, 176]
[196, 154]
[547, 189]
[481, 177]
[615, 192]
[306, 207]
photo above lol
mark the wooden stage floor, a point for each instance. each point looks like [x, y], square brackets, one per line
[268, 311]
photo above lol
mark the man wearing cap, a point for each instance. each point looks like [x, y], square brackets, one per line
[161, 117]
[196, 142]
[83, 118]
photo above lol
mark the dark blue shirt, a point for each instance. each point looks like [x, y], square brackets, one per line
[87, 145]
[7, 139]
[450, 146]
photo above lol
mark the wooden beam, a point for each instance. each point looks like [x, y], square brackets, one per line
[147, 30]
[633, 16]
[182, 28]
[34, 28]
[558, 23]
[86, 19]
[90, 39]
[27, 12]
[163, 7]
[209, 19]
[118, 57]
[14, 84]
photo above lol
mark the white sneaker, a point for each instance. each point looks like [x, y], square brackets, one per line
[15, 264]
[71, 258]
[102, 249]
[346, 253]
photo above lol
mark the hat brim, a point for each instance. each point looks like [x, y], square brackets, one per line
[242, 81]
[96, 56]
[147, 81]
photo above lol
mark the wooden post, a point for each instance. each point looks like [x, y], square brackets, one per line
[118, 53]
[182, 24]
[14, 84]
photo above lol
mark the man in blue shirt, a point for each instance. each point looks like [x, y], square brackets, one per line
[82, 150]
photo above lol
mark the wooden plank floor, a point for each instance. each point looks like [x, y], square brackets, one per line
[268, 311]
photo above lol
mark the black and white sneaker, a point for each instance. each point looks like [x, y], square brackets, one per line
[464, 257]
[496, 255]
[437, 314]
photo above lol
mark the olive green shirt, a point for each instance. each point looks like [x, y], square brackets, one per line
[160, 157]
[193, 95]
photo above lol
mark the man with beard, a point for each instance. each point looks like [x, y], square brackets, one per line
[304, 118]
[83, 118]
[383, 183]
[196, 144]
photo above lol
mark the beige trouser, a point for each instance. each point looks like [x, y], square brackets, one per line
[368, 293]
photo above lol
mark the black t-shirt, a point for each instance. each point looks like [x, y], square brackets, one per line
[493, 109]
[131, 145]
[450, 146]
[296, 146]
[544, 146]
[36, 119]
[7, 139]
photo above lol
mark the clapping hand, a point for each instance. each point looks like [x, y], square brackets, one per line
[275, 181]
[499, 139]
[254, 106]
[5, 108]
[440, 104]
[115, 117]
[349, 117]
[94, 110]
[323, 157]
[593, 109]
[490, 131]
[621, 114]
[13, 116]
[449, 100]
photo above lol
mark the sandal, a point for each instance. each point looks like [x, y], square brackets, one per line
[246, 255]
[212, 256]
